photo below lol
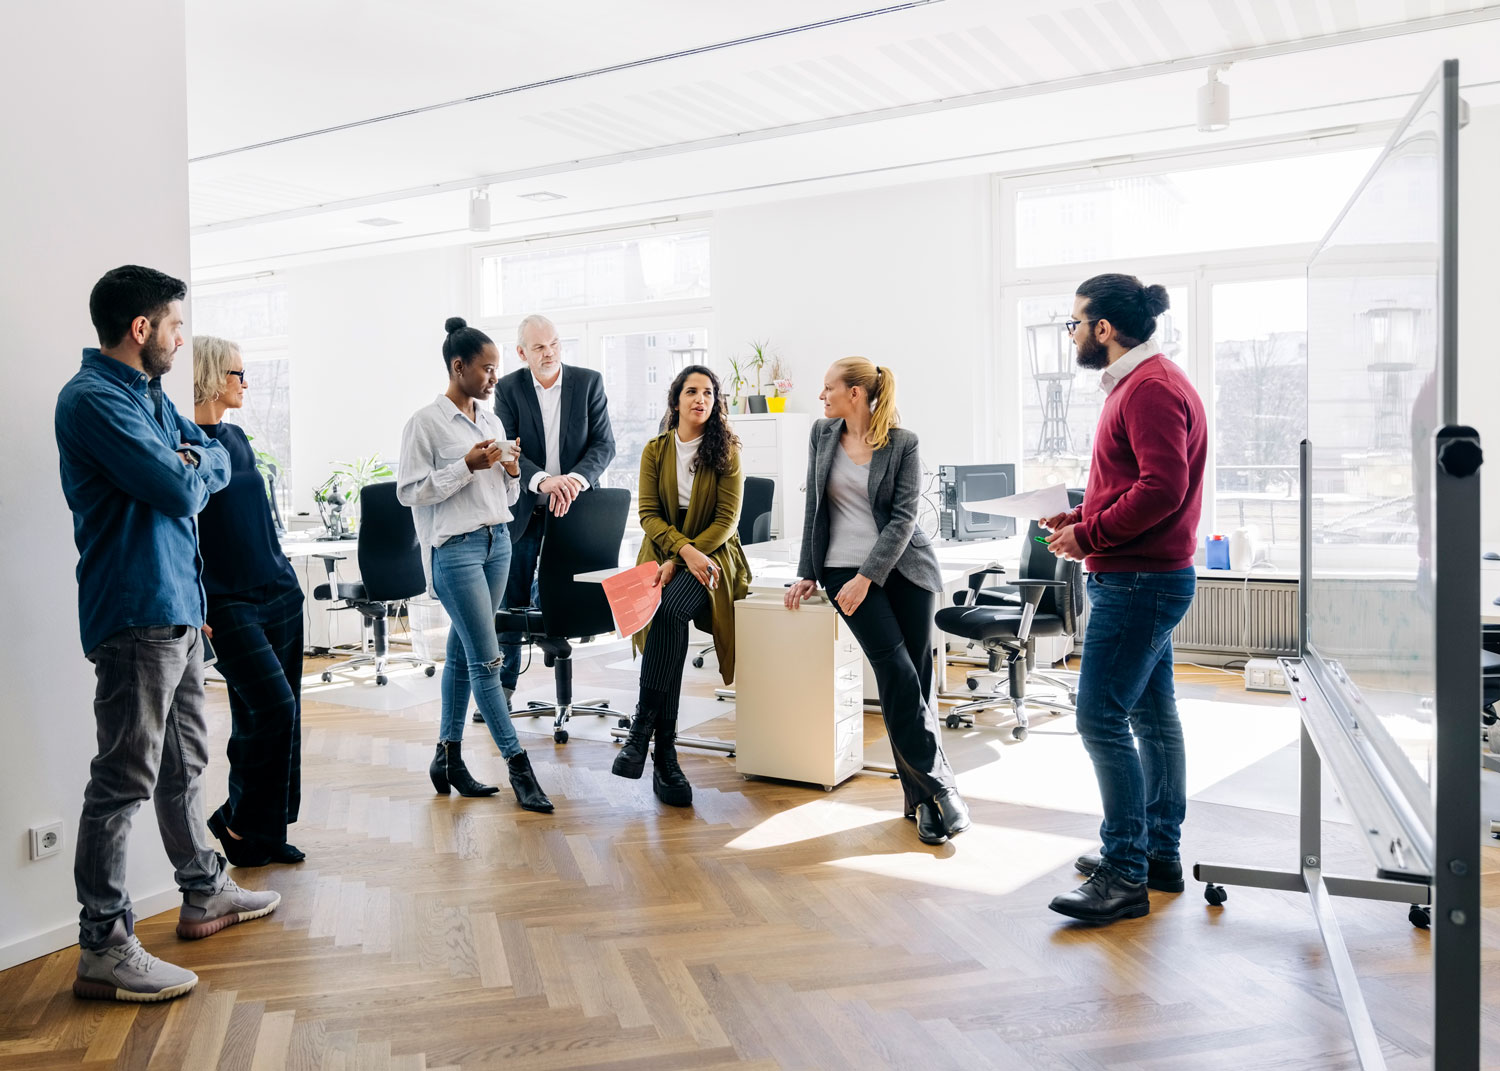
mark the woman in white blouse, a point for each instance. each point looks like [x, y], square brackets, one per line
[460, 475]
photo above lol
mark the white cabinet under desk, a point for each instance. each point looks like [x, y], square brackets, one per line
[799, 693]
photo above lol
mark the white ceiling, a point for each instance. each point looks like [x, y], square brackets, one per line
[307, 118]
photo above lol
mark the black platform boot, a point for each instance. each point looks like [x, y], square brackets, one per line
[529, 794]
[448, 769]
[667, 779]
[631, 760]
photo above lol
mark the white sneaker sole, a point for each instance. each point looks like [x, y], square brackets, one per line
[87, 989]
[194, 931]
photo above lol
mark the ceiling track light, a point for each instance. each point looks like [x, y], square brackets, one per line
[479, 209]
[1213, 101]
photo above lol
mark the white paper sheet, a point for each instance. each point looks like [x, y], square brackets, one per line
[1027, 506]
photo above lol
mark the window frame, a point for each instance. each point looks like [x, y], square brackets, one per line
[1199, 271]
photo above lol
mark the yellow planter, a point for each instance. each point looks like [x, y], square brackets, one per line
[775, 405]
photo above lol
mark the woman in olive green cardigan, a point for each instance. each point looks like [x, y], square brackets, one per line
[690, 490]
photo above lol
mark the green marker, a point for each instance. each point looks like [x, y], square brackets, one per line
[1040, 539]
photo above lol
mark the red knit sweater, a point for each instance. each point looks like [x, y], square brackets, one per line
[1145, 489]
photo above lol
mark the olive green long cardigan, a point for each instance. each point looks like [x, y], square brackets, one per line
[713, 515]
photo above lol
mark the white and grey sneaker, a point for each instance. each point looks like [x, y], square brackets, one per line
[206, 913]
[126, 971]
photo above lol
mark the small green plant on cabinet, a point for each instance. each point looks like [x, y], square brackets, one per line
[760, 352]
[360, 472]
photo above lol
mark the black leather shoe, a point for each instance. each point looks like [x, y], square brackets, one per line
[1163, 875]
[930, 828]
[240, 851]
[529, 794]
[631, 760]
[1105, 897]
[287, 853]
[955, 813]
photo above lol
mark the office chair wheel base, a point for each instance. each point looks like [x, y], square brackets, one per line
[430, 670]
[381, 679]
[560, 736]
[698, 662]
[1215, 894]
[1019, 733]
[623, 723]
[327, 677]
[972, 684]
[953, 721]
[1420, 917]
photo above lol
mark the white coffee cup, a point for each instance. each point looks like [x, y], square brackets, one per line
[507, 448]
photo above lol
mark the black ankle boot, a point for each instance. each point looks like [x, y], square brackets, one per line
[631, 760]
[529, 794]
[667, 779]
[448, 769]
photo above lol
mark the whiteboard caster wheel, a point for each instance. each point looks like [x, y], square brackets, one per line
[1215, 894]
[1420, 917]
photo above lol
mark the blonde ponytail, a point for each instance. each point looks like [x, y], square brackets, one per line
[879, 385]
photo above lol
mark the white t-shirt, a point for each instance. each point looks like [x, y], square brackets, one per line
[687, 458]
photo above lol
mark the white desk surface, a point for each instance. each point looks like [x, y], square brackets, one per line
[300, 545]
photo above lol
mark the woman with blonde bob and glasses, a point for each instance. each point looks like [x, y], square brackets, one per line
[255, 624]
[861, 542]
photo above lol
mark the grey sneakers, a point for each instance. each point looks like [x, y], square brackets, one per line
[206, 913]
[126, 971]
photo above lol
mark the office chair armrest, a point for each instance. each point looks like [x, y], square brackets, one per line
[328, 592]
[1031, 597]
[976, 581]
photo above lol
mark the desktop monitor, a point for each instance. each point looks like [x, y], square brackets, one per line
[973, 483]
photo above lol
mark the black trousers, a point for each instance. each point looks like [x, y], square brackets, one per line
[258, 638]
[893, 626]
[667, 642]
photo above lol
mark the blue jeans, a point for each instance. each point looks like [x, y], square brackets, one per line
[520, 590]
[1127, 714]
[468, 573]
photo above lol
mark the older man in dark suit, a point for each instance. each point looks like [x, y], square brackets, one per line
[562, 417]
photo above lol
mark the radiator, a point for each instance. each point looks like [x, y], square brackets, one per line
[1218, 624]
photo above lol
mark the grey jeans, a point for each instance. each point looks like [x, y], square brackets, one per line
[153, 744]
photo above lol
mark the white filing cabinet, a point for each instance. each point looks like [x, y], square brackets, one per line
[774, 445]
[799, 693]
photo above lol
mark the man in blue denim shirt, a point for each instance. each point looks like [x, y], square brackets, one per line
[135, 475]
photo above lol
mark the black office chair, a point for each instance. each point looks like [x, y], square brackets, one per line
[754, 527]
[390, 567]
[1048, 594]
[585, 538]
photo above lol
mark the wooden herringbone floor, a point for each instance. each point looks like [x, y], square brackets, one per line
[771, 926]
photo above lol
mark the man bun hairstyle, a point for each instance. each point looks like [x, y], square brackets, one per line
[127, 292]
[1127, 303]
[463, 343]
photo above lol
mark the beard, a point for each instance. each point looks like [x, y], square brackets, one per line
[156, 358]
[1093, 354]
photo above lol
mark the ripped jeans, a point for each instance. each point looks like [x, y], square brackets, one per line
[468, 577]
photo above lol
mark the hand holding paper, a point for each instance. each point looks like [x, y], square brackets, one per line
[633, 597]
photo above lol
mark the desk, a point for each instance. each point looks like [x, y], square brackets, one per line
[323, 625]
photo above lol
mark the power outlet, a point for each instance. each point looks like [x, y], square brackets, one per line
[46, 840]
[1265, 675]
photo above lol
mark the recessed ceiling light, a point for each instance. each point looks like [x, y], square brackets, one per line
[380, 221]
[544, 195]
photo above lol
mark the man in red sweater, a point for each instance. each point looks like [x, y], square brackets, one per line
[1136, 530]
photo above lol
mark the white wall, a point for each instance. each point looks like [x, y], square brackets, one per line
[901, 275]
[95, 136]
[366, 342]
[1478, 281]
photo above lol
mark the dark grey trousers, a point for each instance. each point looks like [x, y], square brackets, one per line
[153, 744]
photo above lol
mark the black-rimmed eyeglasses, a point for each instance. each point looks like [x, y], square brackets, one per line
[1072, 325]
[241, 372]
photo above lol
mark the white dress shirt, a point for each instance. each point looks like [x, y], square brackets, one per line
[1129, 361]
[446, 499]
[550, 401]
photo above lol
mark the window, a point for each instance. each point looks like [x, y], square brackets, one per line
[648, 268]
[1259, 404]
[255, 319]
[1234, 206]
[1231, 244]
[637, 402]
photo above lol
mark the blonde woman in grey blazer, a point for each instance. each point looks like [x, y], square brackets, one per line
[861, 542]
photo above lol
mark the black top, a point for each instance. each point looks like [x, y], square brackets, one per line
[236, 538]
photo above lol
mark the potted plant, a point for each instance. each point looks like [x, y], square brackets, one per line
[781, 385]
[737, 383]
[338, 497]
[759, 353]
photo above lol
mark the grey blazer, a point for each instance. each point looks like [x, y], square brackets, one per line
[895, 490]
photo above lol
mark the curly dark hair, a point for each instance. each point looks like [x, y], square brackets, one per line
[719, 440]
